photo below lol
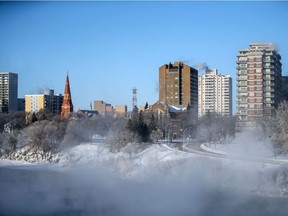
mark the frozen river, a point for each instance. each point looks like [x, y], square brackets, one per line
[42, 191]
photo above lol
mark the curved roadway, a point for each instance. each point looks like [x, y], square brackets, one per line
[195, 148]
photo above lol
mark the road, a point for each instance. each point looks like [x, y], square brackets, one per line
[195, 148]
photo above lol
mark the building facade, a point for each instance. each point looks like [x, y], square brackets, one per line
[178, 86]
[103, 108]
[47, 100]
[259, 81]
[285, 87]
[214, 93]
[121, 110]
[21, 104]
[67, 106]
[8, 92]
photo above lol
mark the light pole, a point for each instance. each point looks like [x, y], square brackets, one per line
[184, 133]
[168, 131]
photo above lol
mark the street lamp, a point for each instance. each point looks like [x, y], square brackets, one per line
[184, 133]
[168, 131]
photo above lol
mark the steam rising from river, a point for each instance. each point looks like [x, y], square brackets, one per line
[188, 186]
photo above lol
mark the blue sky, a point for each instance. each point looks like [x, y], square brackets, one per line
[111, 47]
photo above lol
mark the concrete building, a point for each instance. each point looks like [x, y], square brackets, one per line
[214, 93]
[120, 110]
[47, 100]
[21, 104]
[8, 92]
[178, 86]
[103, 108]
[259, 80]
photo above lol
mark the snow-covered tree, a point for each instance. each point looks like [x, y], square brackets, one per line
[275, 128]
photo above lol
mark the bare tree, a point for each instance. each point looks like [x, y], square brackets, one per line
[7, 144]
[214, 127]
[275, 128]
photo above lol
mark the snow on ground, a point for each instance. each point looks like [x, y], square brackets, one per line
[126, 163]
[159, 162]
[255, 149]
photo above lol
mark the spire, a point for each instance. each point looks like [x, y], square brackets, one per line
[67, 106]
[67, 86]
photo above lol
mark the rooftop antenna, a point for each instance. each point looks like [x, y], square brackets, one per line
[134, 97]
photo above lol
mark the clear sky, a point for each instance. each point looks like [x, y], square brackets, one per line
[111, 47]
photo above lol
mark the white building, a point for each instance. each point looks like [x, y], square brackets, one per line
[214, 93]
[8, 92]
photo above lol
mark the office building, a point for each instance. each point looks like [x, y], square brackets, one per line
[259, 80]
[214, 93]
[178, 86]
[8, 92]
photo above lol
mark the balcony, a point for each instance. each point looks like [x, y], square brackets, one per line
[268, 83]
[268, 72]
[241, 85]
[241, 62]
[269, 102]
[268, 78]
[242, 73]
[268, 60]
[269, 90]
[268, 66]
[241, 67]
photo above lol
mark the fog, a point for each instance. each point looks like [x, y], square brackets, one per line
[190, 186]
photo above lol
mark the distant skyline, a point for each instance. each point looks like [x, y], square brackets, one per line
[111, 47]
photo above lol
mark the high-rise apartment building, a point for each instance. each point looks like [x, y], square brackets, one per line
[178, 86]
[8, 92]
[47, 100]
[214, 93]
[259, 79]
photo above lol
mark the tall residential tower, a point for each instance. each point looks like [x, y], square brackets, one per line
[178, 85]
[259, 79]
[215, 93]
[8, 92]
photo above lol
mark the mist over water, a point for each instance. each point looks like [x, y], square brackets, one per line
[196, 186]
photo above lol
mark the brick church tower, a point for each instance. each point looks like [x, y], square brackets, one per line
[67, 106]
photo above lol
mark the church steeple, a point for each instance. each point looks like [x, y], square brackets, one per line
[67, 106]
